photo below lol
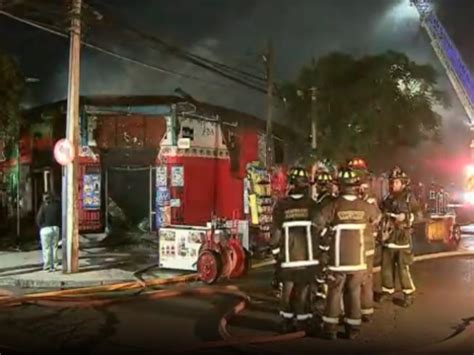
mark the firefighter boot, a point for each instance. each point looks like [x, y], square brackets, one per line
[352, 332]
[303, 326]
[366, 318]
[384, 297]
[407, 301]
[287, 325]
[329, 331]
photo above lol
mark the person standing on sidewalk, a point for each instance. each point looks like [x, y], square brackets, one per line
[48, 220]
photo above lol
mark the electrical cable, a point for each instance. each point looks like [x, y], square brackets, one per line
[57, 32]
[121, 25]
[196, 61]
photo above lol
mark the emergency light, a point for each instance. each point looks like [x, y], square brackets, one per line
[469, 197]
[469, 170]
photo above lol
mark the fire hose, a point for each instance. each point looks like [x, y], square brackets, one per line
[117, 293]
[123, 292]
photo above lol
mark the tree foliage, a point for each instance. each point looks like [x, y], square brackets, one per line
[11, 90]
[367, 106]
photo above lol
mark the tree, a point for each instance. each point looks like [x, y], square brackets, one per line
[11, 91]
[367, 106]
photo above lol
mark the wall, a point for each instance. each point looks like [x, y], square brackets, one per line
[210, 186]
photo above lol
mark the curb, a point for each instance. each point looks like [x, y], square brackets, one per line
[58, 284]
[424, 257]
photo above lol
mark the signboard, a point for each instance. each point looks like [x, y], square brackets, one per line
[91, 192]
[163, 216]
[177, 176]
[64, 152]
[162, 196]
[161, 176]
[184, 143]
[179, 247]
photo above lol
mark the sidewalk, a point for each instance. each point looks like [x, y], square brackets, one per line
[97, 266]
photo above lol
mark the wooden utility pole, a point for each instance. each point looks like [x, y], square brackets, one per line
[72, 134]
[314, 120]
[269, 62]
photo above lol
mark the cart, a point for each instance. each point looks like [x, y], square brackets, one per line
[215, 251]
[221, 254]
[443, 228]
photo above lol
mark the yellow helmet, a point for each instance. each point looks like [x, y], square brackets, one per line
[348, 177]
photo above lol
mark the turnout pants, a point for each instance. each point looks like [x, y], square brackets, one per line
[347, 286]
[49, 245]
[367, 289]
[397, 262]
[294, 297]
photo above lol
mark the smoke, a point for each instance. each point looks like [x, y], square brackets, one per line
[235, 33]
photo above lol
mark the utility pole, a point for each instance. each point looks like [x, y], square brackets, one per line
[269, 62]
[314, 122]
[72, 132]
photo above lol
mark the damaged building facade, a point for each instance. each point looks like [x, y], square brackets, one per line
[159, 160]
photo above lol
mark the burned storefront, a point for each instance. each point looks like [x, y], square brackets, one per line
[145, 162]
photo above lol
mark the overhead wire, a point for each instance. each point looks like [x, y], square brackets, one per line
[198, 46]
[58, 32]
[212, 65]
[182, 54]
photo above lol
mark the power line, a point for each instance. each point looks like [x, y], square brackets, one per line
[201, 45]
[216, 68]
[57, 32]
[206, 63]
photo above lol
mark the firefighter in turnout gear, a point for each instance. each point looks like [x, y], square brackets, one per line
[293, 242]
[324, 185]
[399, 208]
[367, 287]
[343, 222]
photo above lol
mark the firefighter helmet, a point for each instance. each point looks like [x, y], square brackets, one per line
[357, 164]
[323, 178]
[398, 174]
[348, 177]
[298, 176]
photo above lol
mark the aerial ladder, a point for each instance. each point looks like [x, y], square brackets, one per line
[458, 73]
[460, 77]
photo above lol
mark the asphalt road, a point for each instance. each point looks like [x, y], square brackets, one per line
[444, 306]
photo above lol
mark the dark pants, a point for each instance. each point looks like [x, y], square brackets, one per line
[348, 286]
[367, 289]
[294, 298]
[397, 262]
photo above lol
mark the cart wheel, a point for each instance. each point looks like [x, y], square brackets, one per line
[239, 260]
[209, 266]
[457, 233]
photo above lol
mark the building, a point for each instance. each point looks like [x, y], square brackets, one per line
[163, 159]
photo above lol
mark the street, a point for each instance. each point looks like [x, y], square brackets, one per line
[444, 306]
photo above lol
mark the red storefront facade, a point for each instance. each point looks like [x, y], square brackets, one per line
[126, 142]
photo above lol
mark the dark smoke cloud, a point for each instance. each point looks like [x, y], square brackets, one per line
[235, 32]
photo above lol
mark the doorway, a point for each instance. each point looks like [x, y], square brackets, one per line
[131, 190]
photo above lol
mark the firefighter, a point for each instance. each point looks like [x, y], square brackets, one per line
[324, 184]
[342, 223]
[296, 250]
[367, 287]
[399, 208]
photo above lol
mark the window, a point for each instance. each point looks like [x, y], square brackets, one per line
[187, 132]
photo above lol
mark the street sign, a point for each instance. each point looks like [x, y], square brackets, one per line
[64, 152]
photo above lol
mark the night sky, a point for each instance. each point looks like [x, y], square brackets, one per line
[233, 32]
